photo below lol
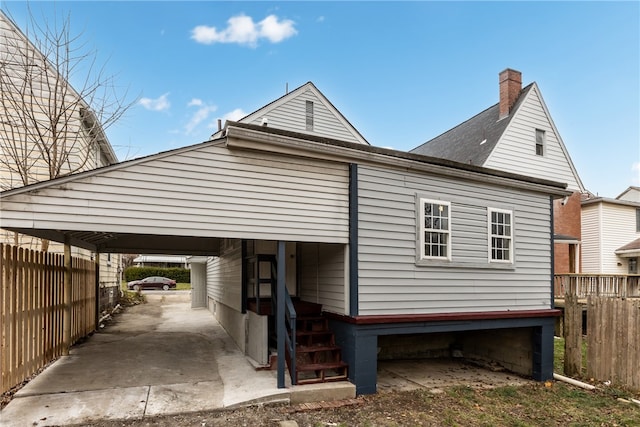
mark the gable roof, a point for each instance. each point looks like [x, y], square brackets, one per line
[632, 194]
[473, 140]
[345, 130]
[478, 140]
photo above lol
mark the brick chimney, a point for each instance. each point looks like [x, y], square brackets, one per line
[510, 87]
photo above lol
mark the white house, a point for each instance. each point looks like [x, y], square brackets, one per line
[611, 234]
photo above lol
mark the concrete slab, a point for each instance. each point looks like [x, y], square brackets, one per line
[324, 392]
[75, 408]
[158, 358]
[181, 398]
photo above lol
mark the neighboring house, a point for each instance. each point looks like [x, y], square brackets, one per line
[385, 254]
[631, 194]
[163, 261]
[518, 135]
[611, 234]
[90, 148]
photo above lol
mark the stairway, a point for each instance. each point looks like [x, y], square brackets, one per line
[318, 358]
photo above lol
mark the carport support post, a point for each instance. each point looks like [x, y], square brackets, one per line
[66, 316]
[97, 285]
[280, 324]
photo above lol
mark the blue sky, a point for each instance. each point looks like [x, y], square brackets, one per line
[401, 72]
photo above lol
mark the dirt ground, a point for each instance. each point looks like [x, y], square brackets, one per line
[539, 404]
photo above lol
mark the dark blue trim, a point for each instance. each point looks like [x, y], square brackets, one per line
[243, 279]
[553, 256]
[280, 323]
[353, 239]
[360, 350]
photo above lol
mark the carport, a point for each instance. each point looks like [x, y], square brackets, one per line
[189, 201]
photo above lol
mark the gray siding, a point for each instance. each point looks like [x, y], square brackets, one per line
[322, 275]
[214, 191]
[391, 281]
[516, 148]
[224, 275]
[291, 116]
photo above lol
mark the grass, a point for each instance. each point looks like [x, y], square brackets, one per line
[558, 356]
[540, 404]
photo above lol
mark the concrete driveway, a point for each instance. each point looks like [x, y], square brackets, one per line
[157, 358]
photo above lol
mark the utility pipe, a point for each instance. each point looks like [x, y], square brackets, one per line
[573, 382]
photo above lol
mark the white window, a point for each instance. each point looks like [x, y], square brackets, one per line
[540, 140]
[309, 115]
[435, 229]
[500, 235]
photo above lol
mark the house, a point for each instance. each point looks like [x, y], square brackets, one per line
[611, 234]
[163, 261]
[518, 135]
[21, 162]
[631, 194]
[354, 253]
[305, 110]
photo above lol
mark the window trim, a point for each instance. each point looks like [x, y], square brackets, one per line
[422, 230]
[542, 144]
[490, 236]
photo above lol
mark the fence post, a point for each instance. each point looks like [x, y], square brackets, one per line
[572, 335]
[67, 298]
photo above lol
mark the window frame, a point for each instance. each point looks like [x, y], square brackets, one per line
[541, 147]
[491, 235]
[422, 230]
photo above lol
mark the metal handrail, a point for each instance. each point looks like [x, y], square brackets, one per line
[290, 320]
[290, 337]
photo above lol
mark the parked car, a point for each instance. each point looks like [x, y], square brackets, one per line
[154, 282]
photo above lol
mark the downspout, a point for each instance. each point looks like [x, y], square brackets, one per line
[553, 256]
[66, 316]
[353, 239]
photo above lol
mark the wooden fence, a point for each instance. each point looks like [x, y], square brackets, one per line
[613, 340]
[32, 309]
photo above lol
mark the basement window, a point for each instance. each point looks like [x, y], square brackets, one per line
[309, 115]
[540, 142]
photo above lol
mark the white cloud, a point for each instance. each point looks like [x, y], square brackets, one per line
[201, 114]
[242, 30]
[320, 19]
[159, 104]
[234, 115]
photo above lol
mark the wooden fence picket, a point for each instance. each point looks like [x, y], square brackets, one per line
[32, 307]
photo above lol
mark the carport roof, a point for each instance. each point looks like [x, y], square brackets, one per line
[245, 137]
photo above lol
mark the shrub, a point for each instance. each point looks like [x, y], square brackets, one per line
[180, 275]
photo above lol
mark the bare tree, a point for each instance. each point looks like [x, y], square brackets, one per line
[47, 127]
